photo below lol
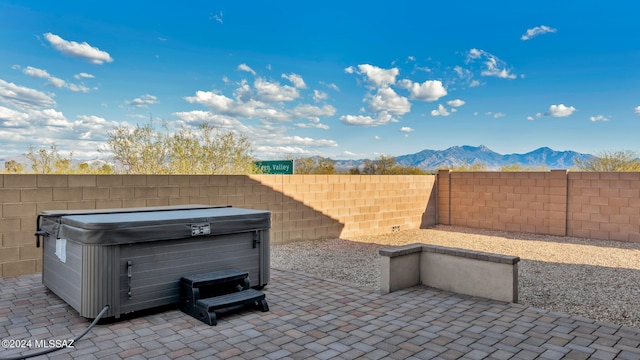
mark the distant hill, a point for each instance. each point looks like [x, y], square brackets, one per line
[453, 156]
[469, 155]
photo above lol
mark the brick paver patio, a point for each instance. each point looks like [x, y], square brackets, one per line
[315, 318]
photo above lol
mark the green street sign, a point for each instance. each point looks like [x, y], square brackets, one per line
[283, 167]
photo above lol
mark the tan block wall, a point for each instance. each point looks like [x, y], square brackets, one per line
[604, 206]
[594, 205]
[304, 207]
[532, 202]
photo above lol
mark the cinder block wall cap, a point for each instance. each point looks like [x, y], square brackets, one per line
[472, 254]
[400, 250]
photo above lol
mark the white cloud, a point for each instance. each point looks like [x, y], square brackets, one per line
[143, 101]
[13, 119]
[493, 65]
[493, 69]
[243, 93]
[377, 137]
[24, 97]
[538, 30]
[319, 95]
[442, 111]
[211, 100]
[49, 125]
[82, 51]
[330, 86]
[197, 117]
[312, 125]
[275, 138]
[530, 118]
[274, 92]
[494, 115]
[637, 110]
[349, 70]
[462, 72]
[411, 58]
[245, 67]
[561, 110]
[57, 82]
[475, 53]
[280, 151]
[406, 129]
[466, 76]
[39, 73]
[358, 120]
[377, 76]
[91, 127]
[245, 108]
[296, 80]
[455, 103]
[430, 90]
[387, 100]
[599, 118]
[301, 141]
[83, 75]
[217, 17]
[383, 118]
[312, 112]
[257, 103]
[351, 154]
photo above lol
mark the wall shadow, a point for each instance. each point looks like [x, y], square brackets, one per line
[430, 215]
[303, 207]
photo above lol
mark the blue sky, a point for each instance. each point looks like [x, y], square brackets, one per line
[338, 79]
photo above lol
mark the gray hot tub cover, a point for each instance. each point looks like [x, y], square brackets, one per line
[141, 226]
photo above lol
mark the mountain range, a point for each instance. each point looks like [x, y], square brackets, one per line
[457, 156]
[466, 155]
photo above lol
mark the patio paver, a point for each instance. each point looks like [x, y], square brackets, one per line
[320, 319]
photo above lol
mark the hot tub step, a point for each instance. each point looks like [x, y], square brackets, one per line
[216, 277]
[201, 295]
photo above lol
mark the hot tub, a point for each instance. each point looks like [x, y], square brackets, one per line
[133, 259]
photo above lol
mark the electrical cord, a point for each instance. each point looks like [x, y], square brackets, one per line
[48, 351]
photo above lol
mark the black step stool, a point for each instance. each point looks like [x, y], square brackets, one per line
[201, 295]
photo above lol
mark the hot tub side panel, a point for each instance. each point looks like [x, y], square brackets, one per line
[156, 267]
[63, 278]
[100, 280]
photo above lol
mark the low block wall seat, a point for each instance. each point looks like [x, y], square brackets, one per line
[469, 272]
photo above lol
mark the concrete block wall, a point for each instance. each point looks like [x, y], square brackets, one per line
[304, 207]
[604, 205]
[363, 205]
[534, 202]
[475, 273]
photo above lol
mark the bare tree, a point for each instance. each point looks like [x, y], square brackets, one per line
[606, 161]
[207, 150]
[13, 167]
[49, 161]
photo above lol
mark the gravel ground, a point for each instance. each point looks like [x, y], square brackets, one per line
[591, 278]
